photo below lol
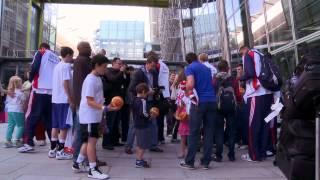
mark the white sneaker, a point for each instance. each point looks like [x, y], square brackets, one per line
[61, 155]
[95, 173]
[52, 153]
[243, 147]
[246, 157]
[25, 148]
[269, 153]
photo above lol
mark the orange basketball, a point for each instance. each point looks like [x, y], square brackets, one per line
[182, 115]
[155, 111]
[117, 101]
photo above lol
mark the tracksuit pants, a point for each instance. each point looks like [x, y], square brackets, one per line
[258, 139]
[40, 111]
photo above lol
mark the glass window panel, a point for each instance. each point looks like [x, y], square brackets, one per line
[278, 24]
[229, 8]
[258, 22]
[286, 63]
[307, 16]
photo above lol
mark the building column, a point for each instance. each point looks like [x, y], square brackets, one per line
[28, 39]
[183, 44]
[293, 31]
[223, 31]
[194, 42]
[41, 19]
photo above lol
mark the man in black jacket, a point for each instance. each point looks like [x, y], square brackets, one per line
[146, 74]
[114, 85]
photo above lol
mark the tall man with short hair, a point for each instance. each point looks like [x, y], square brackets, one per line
[258, 100]
[202, 112]
[114, 81]
[41, 74]
[81, 68]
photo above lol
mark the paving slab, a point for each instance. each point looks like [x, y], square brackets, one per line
[164, 166]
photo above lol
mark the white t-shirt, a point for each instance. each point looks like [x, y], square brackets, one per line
[61, 73]
[16, 103]
[92, 87]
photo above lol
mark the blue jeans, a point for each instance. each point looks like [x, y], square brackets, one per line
[219, 133]
[154, 133]
[77, 142]
[154, 128]
[131, 133]
[203, 115]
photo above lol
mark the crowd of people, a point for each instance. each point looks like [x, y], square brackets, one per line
[71, 99]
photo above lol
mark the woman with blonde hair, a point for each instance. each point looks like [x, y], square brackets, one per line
[15, 108]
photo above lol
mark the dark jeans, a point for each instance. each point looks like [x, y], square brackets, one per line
[160, 123]
[242, 121]
[131, 133]
[40, 111]
[201, 115]
[112, 136]
[77, 142]
[175, 129]
[219, 133]
[172, 123]
[125, 118]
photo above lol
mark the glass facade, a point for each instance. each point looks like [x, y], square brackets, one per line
[34, 29]
[267, 25]
[14, 27]
[124, 39]
[201, 29]
[50, 25]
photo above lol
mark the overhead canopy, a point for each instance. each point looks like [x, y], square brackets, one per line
[150, 3]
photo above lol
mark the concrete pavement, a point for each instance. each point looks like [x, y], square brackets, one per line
[164, 166]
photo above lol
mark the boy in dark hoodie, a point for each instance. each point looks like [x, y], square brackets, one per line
[227, 91]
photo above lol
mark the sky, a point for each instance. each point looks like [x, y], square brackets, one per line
[79, 22]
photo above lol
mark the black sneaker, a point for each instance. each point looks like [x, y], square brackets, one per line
[142, 164]
[156, 149]
[217, 159]
[205, 166]
[118, 144]
[108, 147]
[80, 167]
[186, 166]
[232, 158]
[128, 151]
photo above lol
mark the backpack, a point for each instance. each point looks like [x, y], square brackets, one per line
[270, 76]
[226, 97]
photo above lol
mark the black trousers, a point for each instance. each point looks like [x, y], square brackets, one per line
[40, 111]
[113, 135]
[160, 123]
[125, 118]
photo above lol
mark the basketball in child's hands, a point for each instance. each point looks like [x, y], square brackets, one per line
[155, 111]
[181, 116]
[117, 101]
